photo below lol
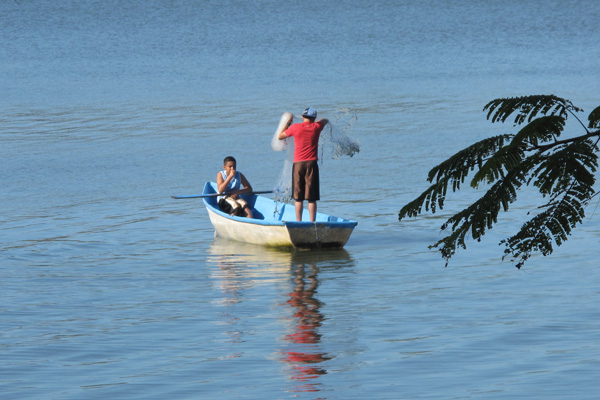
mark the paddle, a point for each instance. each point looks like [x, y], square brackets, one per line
[196, 196]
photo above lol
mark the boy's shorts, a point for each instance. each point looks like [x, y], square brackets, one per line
[230, 205]
[305, 181]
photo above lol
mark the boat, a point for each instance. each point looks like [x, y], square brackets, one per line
[274, 224]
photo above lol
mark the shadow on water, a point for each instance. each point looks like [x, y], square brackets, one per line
[299, 349]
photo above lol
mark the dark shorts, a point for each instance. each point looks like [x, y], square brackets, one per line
[305, 181]
[233, 206]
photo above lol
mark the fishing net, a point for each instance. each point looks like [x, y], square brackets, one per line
[333, 143]
[280, 145]
[283, 190]
[334, 140]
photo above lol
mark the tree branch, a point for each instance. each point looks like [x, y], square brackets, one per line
[545, 147]
[581, 122]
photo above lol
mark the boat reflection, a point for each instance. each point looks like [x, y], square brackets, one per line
[244, 265]
[305, 354]
[261, 257]
[295, 274]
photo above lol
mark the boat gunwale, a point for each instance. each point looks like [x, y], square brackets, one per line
[342, 224]
[245, 220]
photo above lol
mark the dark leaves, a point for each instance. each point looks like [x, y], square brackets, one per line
[527, 107]
[552, 226]
[562, 170]
[451, 172]
[483, 214]
[594, 119]
[575, 163]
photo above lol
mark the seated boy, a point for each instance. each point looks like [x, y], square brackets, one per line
[231, 183]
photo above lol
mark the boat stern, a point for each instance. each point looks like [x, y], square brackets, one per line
[320, 234]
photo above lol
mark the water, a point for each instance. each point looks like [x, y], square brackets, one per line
[111, 289]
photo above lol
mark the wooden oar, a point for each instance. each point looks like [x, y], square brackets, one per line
[197, 196]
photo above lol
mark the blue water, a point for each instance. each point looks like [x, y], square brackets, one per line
[111, 289]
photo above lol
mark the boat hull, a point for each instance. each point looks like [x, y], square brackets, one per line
[274, 225]
[242, 231]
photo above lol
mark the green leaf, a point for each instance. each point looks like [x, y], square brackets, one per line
[527, 107]
[563, 170]
[576, 162]
[552, 226]
[451, 172]
[496, 166]
[457, 167]
[483, 214]
[540, 130]
[594, 118]
[430, 200]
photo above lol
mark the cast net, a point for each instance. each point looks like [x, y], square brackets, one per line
[334, 142]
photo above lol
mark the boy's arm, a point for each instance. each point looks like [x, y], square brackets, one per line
[247, 187]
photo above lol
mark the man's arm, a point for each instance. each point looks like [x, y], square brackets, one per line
[281, 134]
[323, 121]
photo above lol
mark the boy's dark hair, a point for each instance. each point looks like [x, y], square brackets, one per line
[229, 158]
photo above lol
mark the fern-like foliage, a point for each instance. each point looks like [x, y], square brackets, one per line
[553, 225]
[568, 165]
[527, 107]
[452, 172]
[482, 214]
[594, 119]
[567, 176]
[562, 170]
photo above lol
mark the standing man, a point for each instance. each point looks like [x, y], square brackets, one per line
[305, 170]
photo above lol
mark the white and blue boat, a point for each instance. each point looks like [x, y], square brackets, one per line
[274, 224]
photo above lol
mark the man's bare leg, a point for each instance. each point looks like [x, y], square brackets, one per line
[312, 210]
[299, 207]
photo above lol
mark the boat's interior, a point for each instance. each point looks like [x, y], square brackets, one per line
[265, 209]
[262, 208]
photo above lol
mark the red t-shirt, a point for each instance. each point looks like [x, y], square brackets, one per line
[306, 140]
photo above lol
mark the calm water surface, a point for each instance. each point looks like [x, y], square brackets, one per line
[111, 289]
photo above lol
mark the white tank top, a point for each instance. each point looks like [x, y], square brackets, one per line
[234, 184]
